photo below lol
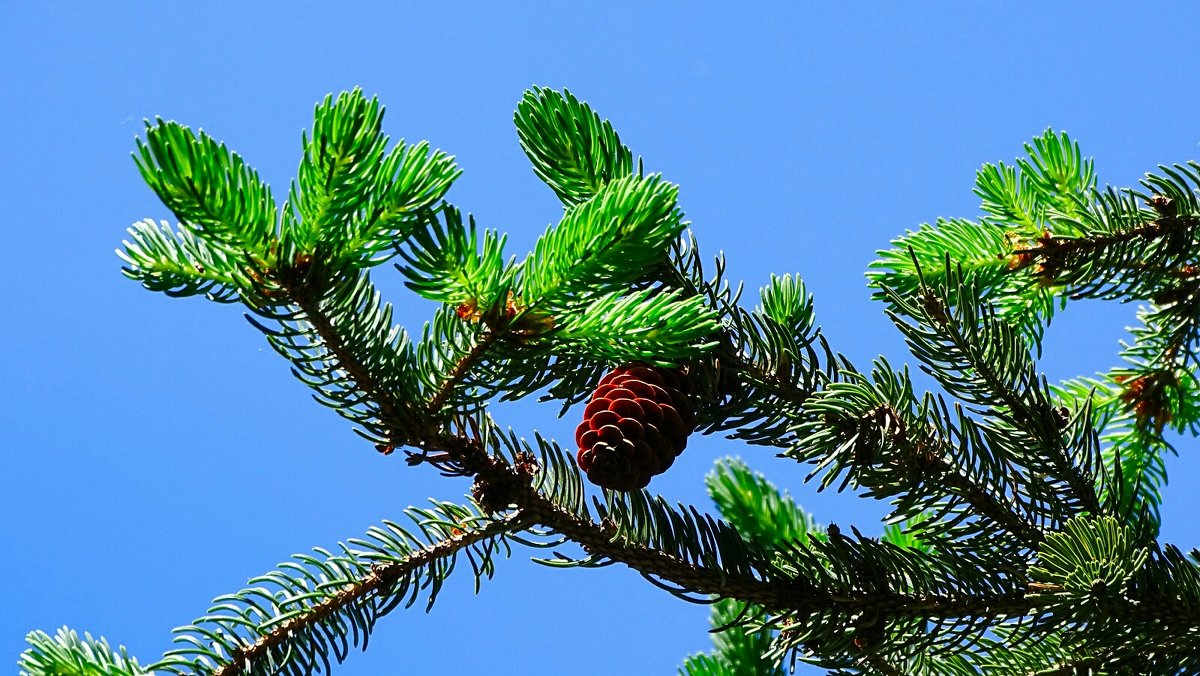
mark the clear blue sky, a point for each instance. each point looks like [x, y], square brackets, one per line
[156, 454]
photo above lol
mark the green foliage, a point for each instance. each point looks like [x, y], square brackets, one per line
[736, 651]
[1052, 236]
[1104, 594]
[384, 359]
[446, 262]
[742, 635]
[316, 606]
[604, 243]
[1036, 197]
[207, 186]
[919, 258]
[756, 509]
[1087, 553]
[1024, 515]
[786, 302]
[339, 167]
[179, 263]
[571, 148]
[1052, 180]
[684, 534]
[903, 534]
[982, 360]
[66, 654]
[745, 641]
[766, 368]
[354, 198]
[645, 325]
[1133, 453]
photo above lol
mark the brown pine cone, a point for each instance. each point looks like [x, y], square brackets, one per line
[636, 423]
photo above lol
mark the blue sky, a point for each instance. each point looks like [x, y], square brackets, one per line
[157, 454]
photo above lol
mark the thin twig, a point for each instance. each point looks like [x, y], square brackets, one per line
[394, 412]
[1049, 246]
[464, 365]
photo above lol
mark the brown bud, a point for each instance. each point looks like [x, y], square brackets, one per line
[1165, 206]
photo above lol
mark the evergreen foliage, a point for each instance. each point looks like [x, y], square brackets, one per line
[1022, 536]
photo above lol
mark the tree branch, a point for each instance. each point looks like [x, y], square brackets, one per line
[471, 458]
[1055, 250]
[379, 580]
[1023, 412]
[777, 594]
[986, 503]
[460, 370]
[393, 412]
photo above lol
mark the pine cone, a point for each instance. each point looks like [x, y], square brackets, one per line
[636, 423]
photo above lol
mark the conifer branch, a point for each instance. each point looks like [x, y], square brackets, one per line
[381, 578]
[1055, 251]
[1016, 522]
[1028, 409]
[765, 373]
[465, 363]
[598, 540]
[777, 593]
[394, 412]
[988, 503]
